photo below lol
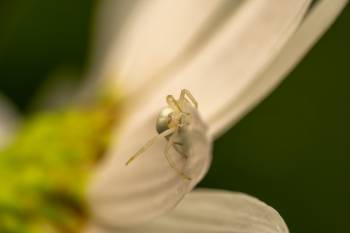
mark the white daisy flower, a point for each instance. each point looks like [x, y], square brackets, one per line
[230, 55]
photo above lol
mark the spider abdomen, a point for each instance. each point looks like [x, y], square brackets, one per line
[164, 119]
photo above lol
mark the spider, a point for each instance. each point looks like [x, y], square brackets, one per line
[171, 119]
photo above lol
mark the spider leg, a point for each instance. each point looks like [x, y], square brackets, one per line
[172, 102]
[186, 93]
[171, 163]
[150, 143]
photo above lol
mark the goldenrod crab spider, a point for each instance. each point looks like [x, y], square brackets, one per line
[170, 121]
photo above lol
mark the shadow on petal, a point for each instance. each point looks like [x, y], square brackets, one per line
[210, 211]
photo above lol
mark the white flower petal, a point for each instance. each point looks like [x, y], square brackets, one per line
[158, 36]
[210, 211]
[8, 121]
[111, 16]
[148, 187]
[227, 64]
[312, 28]
[230, 62]
[235, 57]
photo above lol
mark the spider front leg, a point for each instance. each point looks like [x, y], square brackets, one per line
[186, 93]
[176, 105]
[149, 143]
[171, 163]
[172, 102]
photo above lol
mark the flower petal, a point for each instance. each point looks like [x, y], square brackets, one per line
[8, 121]
[212, 211]
[111, 16]
[312, 28]
[148, 187]
[226, 65]
[235, 56]
[158, 36]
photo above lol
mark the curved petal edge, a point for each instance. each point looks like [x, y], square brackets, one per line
[210, 211]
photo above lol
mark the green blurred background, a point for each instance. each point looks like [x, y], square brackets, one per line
[292, 151]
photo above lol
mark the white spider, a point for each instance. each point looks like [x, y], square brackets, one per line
[170, 120]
